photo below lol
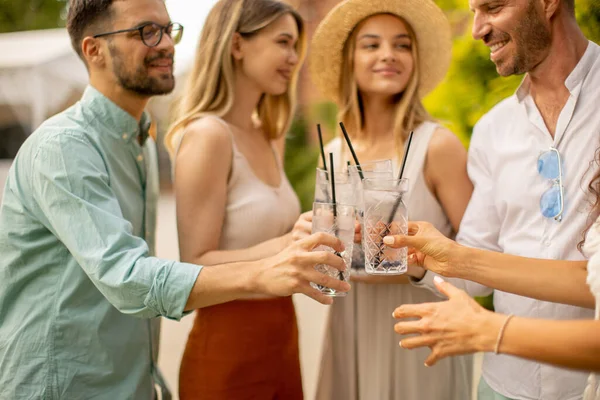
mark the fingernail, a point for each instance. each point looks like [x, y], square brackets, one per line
[427, 365]
[437, 279]
[400, 343]
[388, 240]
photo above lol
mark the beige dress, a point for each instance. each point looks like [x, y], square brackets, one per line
[361, 357]
[247, 349]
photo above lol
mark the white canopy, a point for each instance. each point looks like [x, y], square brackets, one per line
[39, 73]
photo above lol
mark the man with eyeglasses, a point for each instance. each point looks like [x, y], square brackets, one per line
[79, 286]
[530, 161]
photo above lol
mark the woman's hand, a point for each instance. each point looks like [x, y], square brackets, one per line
[429, 249]
[292, 270]
[453, 327]
[302, 228]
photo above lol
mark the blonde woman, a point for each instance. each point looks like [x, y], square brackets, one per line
[234, 201]
[377, 59]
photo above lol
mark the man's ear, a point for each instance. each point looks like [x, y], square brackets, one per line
[237, 47]
[551, 7]
[93, 51]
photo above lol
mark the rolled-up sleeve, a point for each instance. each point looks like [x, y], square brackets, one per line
[76, 203]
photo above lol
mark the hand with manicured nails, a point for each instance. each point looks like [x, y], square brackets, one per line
[453, 327]
[292, 270]
[429, 249]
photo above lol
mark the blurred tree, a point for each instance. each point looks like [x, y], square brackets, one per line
[23, 15]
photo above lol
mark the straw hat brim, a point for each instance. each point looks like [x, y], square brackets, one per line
[427, 20]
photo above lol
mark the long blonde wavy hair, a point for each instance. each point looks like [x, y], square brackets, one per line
[409, 109]
[209, 89]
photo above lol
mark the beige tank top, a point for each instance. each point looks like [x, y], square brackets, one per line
[255, 212]
[422, 204]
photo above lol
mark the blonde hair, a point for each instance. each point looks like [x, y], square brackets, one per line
[209, 89]
[409, 110]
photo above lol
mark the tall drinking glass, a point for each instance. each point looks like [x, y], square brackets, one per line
[339, 223]
[385, 214]
[381, 169]
[344, 191]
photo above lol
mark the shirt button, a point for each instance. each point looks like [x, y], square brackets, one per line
[140, 158]
[547, 243]
[125, 136]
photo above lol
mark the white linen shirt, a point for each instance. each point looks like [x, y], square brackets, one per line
[504, 213]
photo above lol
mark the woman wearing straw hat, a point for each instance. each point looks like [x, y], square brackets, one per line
[377, 59]
[228, 144]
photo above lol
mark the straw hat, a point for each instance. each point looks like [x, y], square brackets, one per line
[428, 22]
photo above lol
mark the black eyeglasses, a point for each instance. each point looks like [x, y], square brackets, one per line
[152, 33]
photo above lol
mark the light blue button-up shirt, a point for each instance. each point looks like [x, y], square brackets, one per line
[79, 286]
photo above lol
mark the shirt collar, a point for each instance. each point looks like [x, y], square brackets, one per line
[576, 76]
[118, 121]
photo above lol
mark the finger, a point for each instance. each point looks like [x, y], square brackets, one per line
[413, 259]
[324, 257]
[357, 233]
[327, 281]
[307, 216]
[322, 239]
[432, 358]
[447, 288]
[315, 294]
[414, 227]
[304, 225]
[415, 342]
[299, 235]
[397, 241]
[408, 327]
[413, 310]
[437, 353]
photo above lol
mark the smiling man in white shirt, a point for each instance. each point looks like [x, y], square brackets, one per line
[529, 161]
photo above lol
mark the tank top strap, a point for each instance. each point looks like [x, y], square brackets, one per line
[221, 122]
[229, 131]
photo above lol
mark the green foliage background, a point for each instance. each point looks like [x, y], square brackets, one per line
[24, 15]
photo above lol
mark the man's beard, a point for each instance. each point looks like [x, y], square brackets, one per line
[531, 39]
[137, 80]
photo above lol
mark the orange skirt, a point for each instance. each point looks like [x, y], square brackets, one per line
[245, 349]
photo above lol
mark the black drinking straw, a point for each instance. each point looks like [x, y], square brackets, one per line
[322, 149]
[332, 181]
[323, 158]
[398, 200]
[352, 151]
